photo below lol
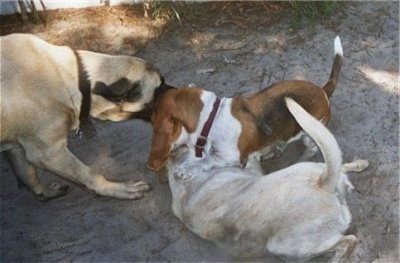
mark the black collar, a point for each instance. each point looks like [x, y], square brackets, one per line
[85, 125]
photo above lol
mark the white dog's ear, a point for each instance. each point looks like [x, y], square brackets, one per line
[116, 90]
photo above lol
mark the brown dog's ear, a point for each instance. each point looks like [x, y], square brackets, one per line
[175, 109]
[164, 133]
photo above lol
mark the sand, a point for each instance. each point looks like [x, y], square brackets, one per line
[230, 54]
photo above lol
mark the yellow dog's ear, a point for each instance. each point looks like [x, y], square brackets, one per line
[166, 131]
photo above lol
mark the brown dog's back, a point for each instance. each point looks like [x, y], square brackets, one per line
[265, 117]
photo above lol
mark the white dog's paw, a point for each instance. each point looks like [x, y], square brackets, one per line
[182, 175]
[358, 165]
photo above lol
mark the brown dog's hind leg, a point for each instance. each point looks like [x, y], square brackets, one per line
[311, 149]
[26, 175]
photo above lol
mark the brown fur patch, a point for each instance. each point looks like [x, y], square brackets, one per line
[174, 109]
[265, 119]
[183, 105]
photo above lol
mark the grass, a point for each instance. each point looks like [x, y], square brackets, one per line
[308, 12]
[314, 9]
[301, 13]
[173, 10]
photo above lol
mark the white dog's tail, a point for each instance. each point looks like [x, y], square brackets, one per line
[325, 140]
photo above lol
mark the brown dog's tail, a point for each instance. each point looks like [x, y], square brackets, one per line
[337, 64]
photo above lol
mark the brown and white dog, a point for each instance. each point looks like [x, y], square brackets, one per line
[241, 126]
[296, 213]
[48, 90]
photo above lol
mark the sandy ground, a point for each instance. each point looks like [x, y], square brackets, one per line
[228, 53]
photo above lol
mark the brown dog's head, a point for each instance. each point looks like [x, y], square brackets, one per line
[174, 110]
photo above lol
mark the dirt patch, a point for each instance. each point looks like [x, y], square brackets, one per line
[113, 30]
[235, 51]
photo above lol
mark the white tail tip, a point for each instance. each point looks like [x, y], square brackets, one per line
[291, 103]
[338, 46]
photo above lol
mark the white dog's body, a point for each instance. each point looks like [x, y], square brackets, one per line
[296, 213]
[49, 90]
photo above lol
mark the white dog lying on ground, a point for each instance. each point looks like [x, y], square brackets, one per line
[296, 213]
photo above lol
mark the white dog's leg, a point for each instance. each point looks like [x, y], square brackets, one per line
[355, 166]
[253, 164]
[181, 173]
[28, 175]
[60, 160]
[344, 248]
[185, 170]
[305, 246]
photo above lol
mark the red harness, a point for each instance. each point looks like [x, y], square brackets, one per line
[202, 140]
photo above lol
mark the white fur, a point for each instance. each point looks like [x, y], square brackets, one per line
[324, 139]
[338, 46]
[222, 142]
[292, 213]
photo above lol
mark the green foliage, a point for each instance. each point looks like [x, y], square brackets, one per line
[173, 10]
[310, 11]
[314, 9]
[302, 13]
